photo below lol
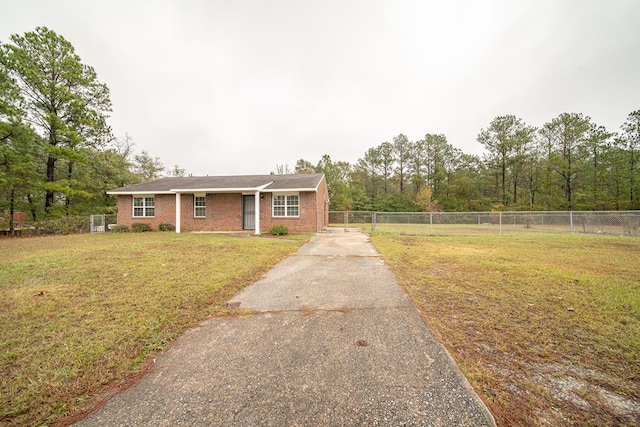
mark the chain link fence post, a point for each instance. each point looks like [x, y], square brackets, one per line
[571, 221]
[431, 223]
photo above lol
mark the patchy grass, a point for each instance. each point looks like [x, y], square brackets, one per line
[78, 313]
[546, 328]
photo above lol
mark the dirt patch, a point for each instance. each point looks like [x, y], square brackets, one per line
[585, 389]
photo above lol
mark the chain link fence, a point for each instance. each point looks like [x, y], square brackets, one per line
[621, 223]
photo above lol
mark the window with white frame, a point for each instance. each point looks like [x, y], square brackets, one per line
[199, 206]
[143, 206]
[286, 205]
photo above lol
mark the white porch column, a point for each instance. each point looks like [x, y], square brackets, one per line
[257, 219]
[178, 212]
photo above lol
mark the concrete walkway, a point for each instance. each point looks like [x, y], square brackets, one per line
[335, 342]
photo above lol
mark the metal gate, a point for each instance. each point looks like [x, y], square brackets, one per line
[102, 223]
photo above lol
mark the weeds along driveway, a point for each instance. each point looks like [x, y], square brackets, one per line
[334, 341]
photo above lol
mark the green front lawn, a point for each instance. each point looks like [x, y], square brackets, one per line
[546, 328]
[80, 312]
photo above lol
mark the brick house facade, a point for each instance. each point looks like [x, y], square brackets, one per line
[229, 203]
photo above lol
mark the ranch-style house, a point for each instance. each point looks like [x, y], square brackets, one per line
[228, 203]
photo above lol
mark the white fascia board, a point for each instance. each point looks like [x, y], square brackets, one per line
[137, 193]
[210, 190]
[291, 190]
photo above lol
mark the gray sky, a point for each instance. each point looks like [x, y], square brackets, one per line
[236, 87]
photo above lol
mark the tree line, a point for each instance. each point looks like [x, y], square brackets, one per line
[58, 155]
[568, 163]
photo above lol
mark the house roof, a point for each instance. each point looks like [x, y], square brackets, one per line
[225, 184]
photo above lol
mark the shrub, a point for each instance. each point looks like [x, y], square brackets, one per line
[279, 230]
[166, 226]
[139, 227]
[67, 225]
[119, 229]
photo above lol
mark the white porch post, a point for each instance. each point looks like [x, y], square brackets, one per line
[177, 212]
[257, 219]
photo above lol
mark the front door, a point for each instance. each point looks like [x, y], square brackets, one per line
[248, 212]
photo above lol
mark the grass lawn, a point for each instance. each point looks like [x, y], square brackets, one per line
[80, 313]
[545, 327]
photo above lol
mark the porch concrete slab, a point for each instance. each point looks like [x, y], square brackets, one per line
[334, 342]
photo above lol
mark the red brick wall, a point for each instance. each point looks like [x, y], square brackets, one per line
[165, 210]
[224, 212]
[306, 222]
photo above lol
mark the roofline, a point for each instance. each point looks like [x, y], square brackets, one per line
[289, 190]
[219, 190]
[210, 190]
[134, 193]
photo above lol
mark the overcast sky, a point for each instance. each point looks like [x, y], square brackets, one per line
[236, 87]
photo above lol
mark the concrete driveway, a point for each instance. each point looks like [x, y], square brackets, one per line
[335, 341]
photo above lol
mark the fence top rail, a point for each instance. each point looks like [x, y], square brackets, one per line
[629, 212]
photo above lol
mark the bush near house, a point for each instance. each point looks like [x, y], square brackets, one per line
[166, 226]
[279, 230]
[118, 228]
[140, 227]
